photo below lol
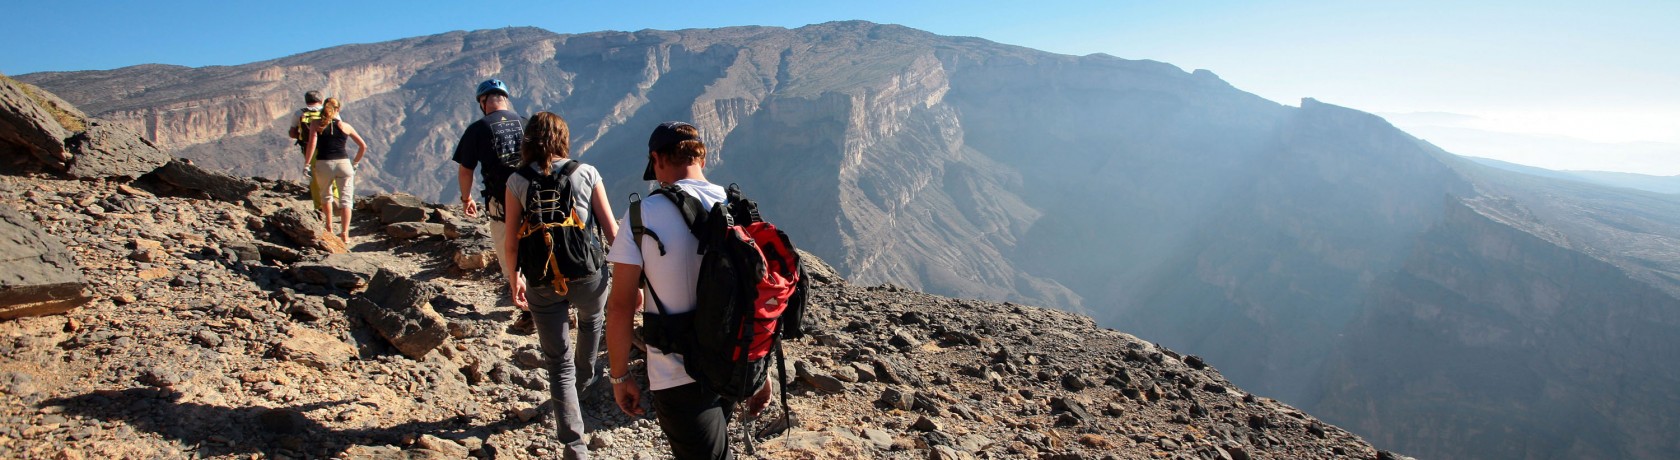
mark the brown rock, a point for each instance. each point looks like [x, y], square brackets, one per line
[400, 207]
[314, 349]
[925, 424]
[474, 259]
[400, 309]
[154, 273]
[448, 448]
[307, 230]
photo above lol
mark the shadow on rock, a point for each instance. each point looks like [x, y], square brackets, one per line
[216, 430]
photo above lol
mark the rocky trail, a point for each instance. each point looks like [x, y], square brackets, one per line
[209, 316]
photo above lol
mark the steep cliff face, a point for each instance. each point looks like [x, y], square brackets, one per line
[1490, 325]
[1277, 270]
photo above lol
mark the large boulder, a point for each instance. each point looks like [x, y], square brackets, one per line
[40, 277]
[307, 230]
[399, 308]
[107, 150]
[399, 207]
[29, 134]
[473, 253]
[222, 187]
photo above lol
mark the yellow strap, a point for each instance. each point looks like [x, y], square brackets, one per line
[529, 228]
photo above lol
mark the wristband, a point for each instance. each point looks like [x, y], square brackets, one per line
[618, 380]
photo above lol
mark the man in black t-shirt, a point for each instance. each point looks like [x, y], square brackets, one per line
[491, 145]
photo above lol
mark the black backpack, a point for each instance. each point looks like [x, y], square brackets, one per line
[750, 294]
[554, 244]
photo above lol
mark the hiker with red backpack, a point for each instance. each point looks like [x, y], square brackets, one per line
[553, 205]
[721, 287]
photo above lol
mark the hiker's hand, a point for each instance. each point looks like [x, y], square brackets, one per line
[517, 291]
[759, 400]
[470, 207]
[629, 397]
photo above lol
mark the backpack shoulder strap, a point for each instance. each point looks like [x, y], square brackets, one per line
[570, 166]
[689, 206]
[637, 230]
[527, 173]
[743, 210]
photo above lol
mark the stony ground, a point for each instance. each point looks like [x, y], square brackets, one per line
[193, 348]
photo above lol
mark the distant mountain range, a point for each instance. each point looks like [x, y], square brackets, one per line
[1438, 306]
[1660, 184]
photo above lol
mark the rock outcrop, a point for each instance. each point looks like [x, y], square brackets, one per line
[34, 132]
[29, 133]
[40, 278]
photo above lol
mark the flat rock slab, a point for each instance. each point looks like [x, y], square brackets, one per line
[40, 277]
[400, 309]
[345, 271]
[222, 187]
[314, 349]
[412, 230]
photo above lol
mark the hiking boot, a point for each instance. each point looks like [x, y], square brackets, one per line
[523, 325]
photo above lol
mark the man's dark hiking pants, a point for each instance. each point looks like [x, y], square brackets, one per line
[695, 421]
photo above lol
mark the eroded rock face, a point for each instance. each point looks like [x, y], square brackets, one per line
[400, 309]
[40, 277]
[108, 150]
[28, 133]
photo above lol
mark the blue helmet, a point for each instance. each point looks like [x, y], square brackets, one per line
[493, 85]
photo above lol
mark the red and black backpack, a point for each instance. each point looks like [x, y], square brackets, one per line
[750, 295]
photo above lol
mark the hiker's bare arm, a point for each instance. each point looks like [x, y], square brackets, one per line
[465, 179]
[623, 302]
[510, 244]
[361, 146]
[603, 213]
[309, 148]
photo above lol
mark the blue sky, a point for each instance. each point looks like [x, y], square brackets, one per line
[1602, 75]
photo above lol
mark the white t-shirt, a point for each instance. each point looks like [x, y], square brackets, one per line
[672, 275]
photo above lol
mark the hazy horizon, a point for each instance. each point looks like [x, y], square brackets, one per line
[1599, 75]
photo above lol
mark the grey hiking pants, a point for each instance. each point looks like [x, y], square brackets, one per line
[549, 310]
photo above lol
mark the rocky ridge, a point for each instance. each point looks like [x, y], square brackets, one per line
[222, 325]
